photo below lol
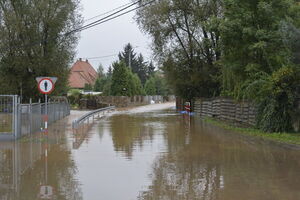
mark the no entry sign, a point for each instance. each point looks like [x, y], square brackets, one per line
[46, 85]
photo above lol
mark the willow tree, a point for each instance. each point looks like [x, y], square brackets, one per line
[186, 41]
[260, 44]
[34, 42]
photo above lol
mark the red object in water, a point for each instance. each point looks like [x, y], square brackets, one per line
[187, 107]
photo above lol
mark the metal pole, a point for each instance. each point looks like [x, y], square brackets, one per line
[46, 113]
[129, 61]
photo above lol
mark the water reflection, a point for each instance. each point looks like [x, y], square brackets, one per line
[151, 155]
[24, 168]
[210, 163]
[131, 132]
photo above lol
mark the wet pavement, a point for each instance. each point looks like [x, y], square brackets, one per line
[147, 153]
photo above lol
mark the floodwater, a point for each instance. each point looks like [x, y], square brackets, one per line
[147, 154]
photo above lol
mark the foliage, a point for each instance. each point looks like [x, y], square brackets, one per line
[74, 95]
[124, 82]
[186, 40]
[88, 87]
[259, 60]
[137, 64]
[33, 42]
[102, 84]
[289, 138]
[157, 85]
[150, 86]
[137, 87]
[276, 96]
[100, 70]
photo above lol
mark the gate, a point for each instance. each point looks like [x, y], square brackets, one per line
[8, 116]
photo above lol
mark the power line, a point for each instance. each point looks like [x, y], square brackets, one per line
[95, 23]
[106, 12]
[107, 56]
[106, 19]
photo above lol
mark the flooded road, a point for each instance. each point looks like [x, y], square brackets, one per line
[147, 153]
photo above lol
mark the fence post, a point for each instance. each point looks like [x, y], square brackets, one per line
[30, 116]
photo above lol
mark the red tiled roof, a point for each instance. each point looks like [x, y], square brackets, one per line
[82, 73]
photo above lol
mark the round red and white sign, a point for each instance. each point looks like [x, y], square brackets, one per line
[46, 85]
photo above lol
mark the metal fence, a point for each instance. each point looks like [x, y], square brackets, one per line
[76, 123]
[8, 116]
[17, 120]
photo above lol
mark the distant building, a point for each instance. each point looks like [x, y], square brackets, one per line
[82, 73]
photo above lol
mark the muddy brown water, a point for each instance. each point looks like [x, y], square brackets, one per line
[147, 155]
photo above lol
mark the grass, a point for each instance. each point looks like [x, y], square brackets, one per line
[5, 123]
[288, 138]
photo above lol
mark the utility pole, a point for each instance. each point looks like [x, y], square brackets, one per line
[129, 61]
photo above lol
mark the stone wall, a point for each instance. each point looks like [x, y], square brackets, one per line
[122, 101]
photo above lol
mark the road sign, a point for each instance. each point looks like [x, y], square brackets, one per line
[53, 79]
[46, 85]
[46, 192]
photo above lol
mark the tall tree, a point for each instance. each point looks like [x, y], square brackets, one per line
[137, 64]
[100, 70]
[124, 82]
[142, 69]
[259, 59]
[186, 39]
[33, 42]
[128, 56]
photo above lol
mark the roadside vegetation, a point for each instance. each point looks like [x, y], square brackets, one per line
[242, 49]
[34, 42]
[131, 75]
[290, 138]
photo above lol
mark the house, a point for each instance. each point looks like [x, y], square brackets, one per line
[82, 73]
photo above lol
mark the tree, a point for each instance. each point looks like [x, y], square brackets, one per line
[103, 84]
[88, 87]
[100, 70]
[186, 40]
[137, 87]
[157, 85]
[128, 56]
[142, 70]
[33, 42]
[124, 82]
[137, 64]
[151, 69]
[259, 60]
[150, 87]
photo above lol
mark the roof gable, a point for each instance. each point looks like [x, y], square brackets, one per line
[82, 73]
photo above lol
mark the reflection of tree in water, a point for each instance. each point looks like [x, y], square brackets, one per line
[184, 173]
[129, 132]
[209, 163]
[6, 181]
[61, 176]
[22, 167]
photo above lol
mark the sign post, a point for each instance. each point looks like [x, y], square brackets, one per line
[46, 86]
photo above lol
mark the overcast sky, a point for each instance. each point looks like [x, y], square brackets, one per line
[109, 38]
